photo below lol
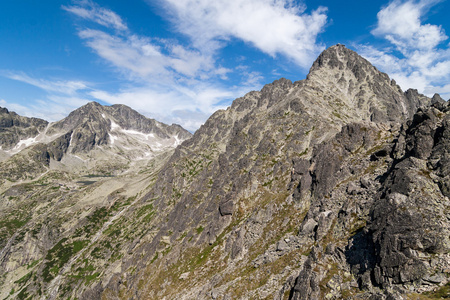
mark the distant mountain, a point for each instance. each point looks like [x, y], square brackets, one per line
[93, 138]
[15, 128]
[332, 187]
[96, 125]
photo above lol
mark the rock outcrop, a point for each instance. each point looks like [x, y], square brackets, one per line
[14, 128]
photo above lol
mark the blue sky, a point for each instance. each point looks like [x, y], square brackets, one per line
[178, 61]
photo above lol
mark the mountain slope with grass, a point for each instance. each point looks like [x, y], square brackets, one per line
[332, 187]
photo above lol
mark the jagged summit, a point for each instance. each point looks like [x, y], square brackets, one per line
[95, 125]
[92, 132]
[360, 87]
[339, 56]
[109, 117]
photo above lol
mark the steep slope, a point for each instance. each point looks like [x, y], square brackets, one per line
[230, 200]
[72, 178]
[332, 187]
[17, 131]
[382, 231]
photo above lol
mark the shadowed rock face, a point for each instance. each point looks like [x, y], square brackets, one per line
[91, 126]
[14, 128]
[405, 239]
[333, 187]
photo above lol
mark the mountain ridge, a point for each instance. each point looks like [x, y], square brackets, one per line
[332, 187]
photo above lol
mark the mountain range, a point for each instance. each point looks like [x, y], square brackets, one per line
[332, 187]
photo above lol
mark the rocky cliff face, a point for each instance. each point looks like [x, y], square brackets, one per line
[15, 128]
[332, 187]
[96, 125]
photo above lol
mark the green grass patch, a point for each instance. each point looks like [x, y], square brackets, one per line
[199, 229]
[59, 255]
[441, 293]
[24, 279]
[23, 294]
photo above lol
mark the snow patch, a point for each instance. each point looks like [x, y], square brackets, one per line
[177, 141]
[83, 160]
[112, 138]
[27, 142]
[114, 126]
[146, 136]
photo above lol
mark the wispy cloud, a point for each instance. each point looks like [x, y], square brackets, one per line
[46, 109]
[60, 97]
[166, 80]
[143, 57]
[424, 62]
[68, 87]
[272, 26]
[89, 10]
[189, 106]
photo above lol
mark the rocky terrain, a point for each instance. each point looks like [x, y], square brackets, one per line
[93, 139]
[332, 187]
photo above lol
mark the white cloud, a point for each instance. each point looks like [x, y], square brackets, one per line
[188, 106]
[143, 57]
[424, 63]
[166, 80]
[182, 83]
[62, 97]
[89, 10]
[45, 109]
[68, 87]
[400, 23]
[272, 26]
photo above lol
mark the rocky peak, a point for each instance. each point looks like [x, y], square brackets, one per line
[361, 88]
[87, 113]
[315, 189]
[14, 128]
[437, 99]
[109, 136]
[338, 56]
[94, 125]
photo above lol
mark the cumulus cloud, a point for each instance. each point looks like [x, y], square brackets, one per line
[272, 26]
[425, 60]
[400, 23]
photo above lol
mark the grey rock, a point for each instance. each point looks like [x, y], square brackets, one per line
[14, 128]
[226, 208]
[282, 245]
[436, 279]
